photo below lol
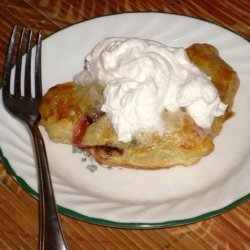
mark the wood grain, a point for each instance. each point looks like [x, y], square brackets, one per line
[19, 210]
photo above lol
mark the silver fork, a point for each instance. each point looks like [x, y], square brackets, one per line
[26, 108]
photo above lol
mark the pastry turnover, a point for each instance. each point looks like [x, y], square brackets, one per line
[71, 114]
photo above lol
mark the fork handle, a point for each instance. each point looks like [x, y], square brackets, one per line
[51, 235]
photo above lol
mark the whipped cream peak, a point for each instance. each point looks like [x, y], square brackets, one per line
[142, 78]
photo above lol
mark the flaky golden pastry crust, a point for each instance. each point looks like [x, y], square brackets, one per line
[71, 114]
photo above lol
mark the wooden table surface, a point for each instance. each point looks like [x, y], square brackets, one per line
[19, 211]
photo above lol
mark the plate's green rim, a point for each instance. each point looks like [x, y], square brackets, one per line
[128, 225]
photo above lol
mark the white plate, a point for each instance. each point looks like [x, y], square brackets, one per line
[138, 198]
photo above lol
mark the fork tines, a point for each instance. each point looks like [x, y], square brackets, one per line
[27, 79]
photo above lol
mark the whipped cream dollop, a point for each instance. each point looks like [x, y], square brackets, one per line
[142, 78]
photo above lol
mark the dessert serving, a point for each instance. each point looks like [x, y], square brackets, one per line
[141, 104]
